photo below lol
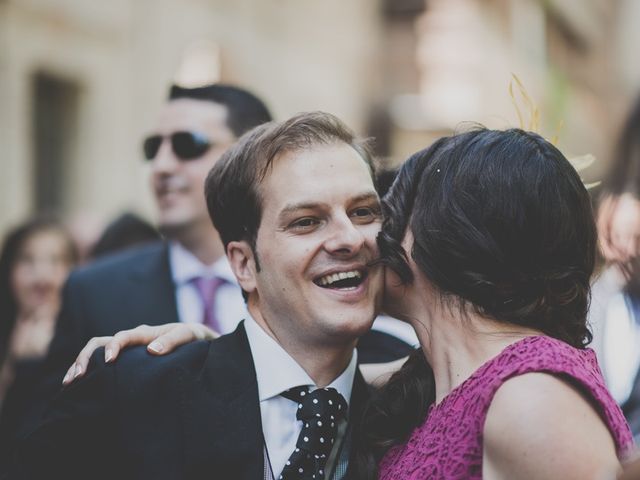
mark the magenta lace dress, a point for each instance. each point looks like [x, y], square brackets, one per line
[448, 445]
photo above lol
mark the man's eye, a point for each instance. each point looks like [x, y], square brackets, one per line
[366, 213]
[304, 223]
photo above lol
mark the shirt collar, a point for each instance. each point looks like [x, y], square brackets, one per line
[185, 266]
[277, 371]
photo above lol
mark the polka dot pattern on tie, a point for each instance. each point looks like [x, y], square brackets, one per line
[318, 411]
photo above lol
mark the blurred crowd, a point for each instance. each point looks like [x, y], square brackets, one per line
[35, 261]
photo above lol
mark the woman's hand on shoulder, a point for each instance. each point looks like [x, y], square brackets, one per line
[159, 339]
[540, 427]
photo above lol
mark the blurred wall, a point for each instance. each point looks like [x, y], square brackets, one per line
[575, 57]
[82, 81]
[117, 59]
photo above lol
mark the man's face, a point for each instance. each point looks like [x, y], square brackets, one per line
[321, 215]
[178, 185]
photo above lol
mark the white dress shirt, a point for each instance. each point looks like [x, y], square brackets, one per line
[229, 305]
[621, 358]
[276, 372]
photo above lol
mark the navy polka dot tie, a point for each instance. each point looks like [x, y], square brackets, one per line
[319, 411]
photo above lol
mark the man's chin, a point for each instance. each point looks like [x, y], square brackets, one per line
[355, 326]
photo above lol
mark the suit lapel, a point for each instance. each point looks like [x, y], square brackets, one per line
[221, 412]
[155, 299]
[359, 397]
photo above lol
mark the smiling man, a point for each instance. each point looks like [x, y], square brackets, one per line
[281, 396]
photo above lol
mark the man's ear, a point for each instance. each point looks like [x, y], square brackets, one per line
[243, 264]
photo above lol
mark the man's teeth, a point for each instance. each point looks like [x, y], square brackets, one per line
[334, 277]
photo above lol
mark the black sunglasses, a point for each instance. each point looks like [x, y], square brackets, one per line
[186, 145]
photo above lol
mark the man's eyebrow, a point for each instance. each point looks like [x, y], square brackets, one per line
[294, 207]
[366, 196]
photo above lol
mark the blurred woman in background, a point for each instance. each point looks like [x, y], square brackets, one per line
[619, 212]
[35, 261]
[615, 307]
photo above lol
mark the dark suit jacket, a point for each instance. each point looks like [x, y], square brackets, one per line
[194, 414]
[115, 293]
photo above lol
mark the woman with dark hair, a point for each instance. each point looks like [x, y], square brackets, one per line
[35, 260]
[489, 243]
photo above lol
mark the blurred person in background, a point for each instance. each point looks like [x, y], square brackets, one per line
[615, 307]
[619, 212]
[35, 261]
[187, 278]
[167, 281]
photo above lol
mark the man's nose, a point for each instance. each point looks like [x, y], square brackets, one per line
[165, 160]
[345, 237]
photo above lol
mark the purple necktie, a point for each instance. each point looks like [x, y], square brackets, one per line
[207, 288]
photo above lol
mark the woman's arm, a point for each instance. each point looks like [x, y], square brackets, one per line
[540, 427]
[159, 339]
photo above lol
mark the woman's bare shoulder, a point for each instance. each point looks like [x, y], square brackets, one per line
[541, 426]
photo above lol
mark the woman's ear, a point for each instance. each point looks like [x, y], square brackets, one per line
[243, 264]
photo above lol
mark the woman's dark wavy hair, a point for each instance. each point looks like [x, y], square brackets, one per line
[13, 243]
[503, 226]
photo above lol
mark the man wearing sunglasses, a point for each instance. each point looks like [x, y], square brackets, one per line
[162, 282]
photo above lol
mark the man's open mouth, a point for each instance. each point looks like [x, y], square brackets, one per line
[341, 280]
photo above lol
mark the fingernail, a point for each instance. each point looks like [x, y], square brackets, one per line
[108, 355]
[78, 371]
[67, 376]
[156, 347]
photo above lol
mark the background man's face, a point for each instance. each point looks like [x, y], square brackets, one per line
[321, 215]
[178, 185]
